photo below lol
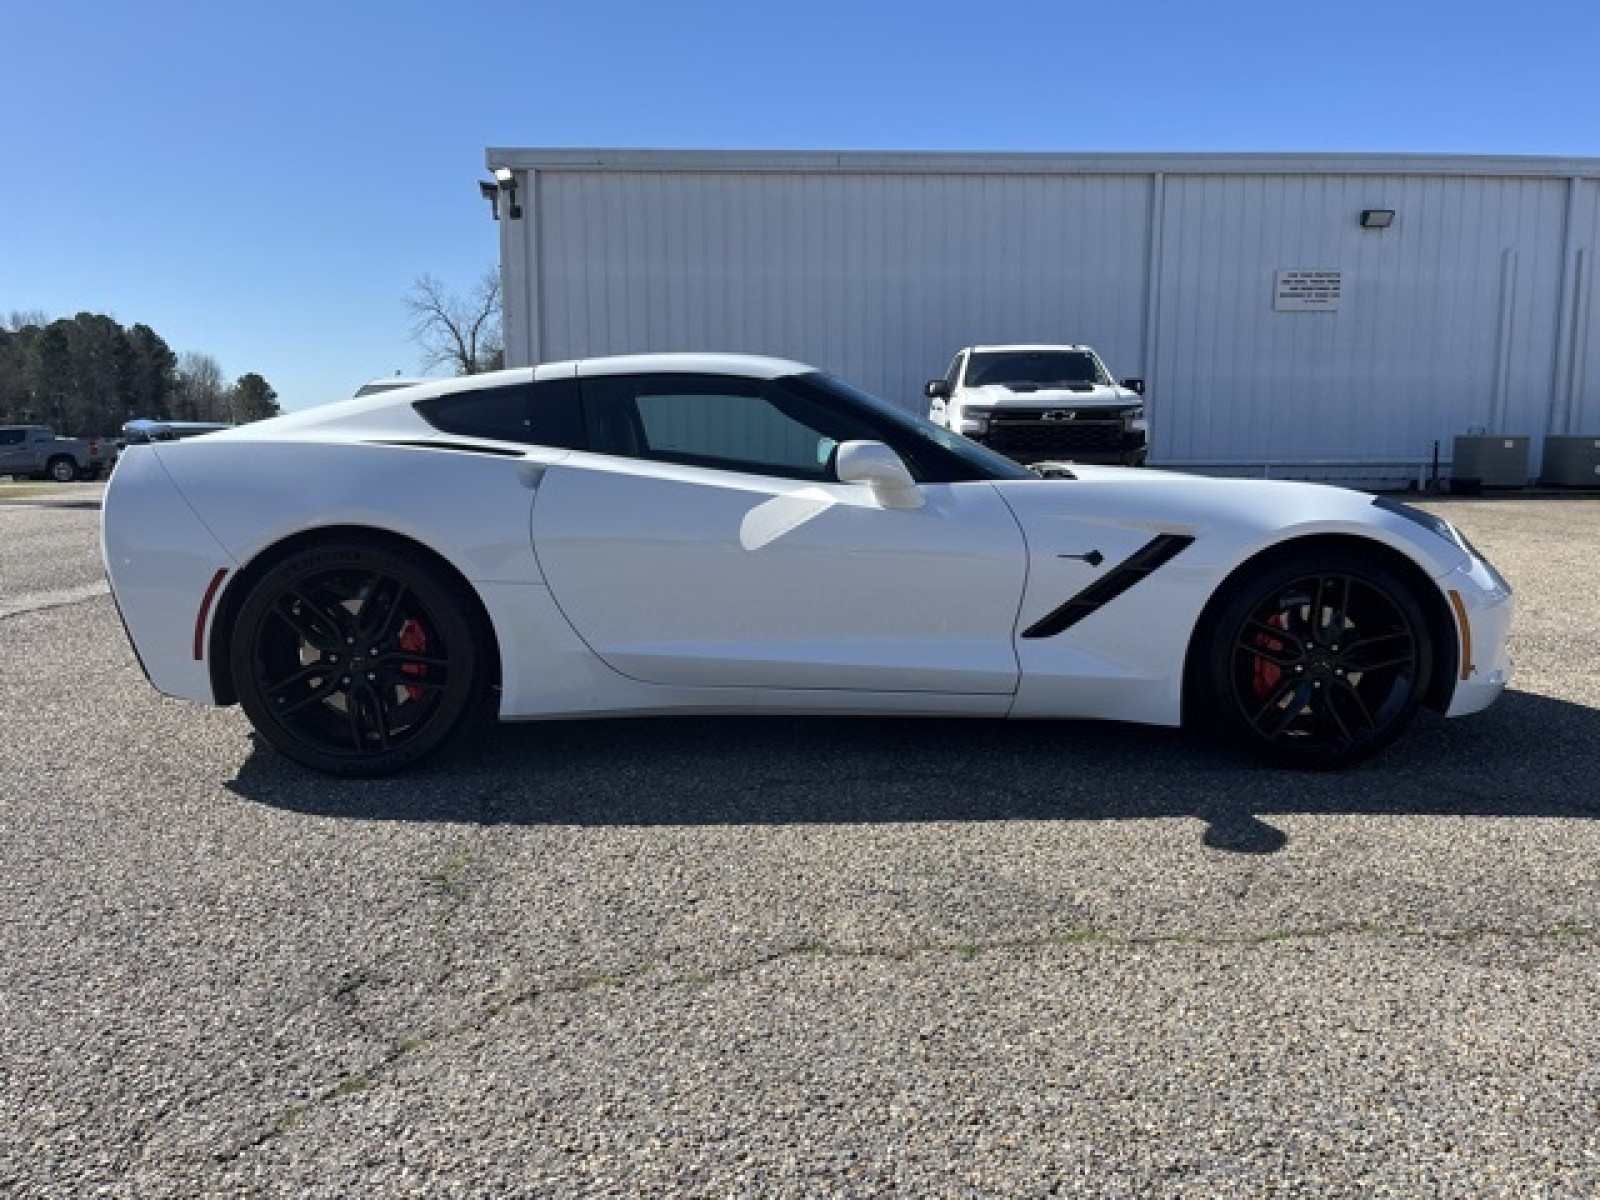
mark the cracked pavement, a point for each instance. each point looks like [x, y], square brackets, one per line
[795, 957]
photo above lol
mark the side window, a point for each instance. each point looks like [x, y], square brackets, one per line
[954, 377]
[11, 437]
[547, 413]
[717, 421]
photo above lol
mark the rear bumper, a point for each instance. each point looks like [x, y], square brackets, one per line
[163, 565]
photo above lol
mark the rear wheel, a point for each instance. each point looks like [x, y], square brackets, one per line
[1318, 661]
[62, 469]
[357, 659]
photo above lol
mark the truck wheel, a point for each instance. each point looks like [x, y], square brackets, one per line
[62, 469]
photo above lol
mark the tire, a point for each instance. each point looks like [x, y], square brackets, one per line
[1317, 661]
[62, 469]
[359, 659]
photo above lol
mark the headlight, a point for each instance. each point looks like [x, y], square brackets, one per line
[1133, 418]
[974, 420]
[1427, 520]
[1445, 530]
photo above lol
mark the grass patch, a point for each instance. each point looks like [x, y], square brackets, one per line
[1079, 936]
[448, 873]
[11, 489]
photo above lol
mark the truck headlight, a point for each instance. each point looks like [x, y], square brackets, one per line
[974, 420]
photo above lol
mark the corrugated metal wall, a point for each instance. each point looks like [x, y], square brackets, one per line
[1579, 365]
[879, 279]
[1474, 310]
[1413, 353]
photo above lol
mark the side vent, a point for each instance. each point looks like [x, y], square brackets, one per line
[1146, 560]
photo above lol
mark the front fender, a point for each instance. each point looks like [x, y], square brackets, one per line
[1126, 659]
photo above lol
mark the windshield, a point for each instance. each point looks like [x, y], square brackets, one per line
[933, 454]
[1006, 367]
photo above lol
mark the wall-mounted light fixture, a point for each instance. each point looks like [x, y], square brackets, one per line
[491, 192]
[1377, 218]
[507, 179]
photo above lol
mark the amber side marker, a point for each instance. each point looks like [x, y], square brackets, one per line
[205, 609]
[1466, 634]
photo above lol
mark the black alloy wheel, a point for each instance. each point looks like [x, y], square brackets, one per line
[357, 659]
[1319, 660]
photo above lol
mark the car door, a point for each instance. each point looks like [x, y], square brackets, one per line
[12, 451]
[715, 547]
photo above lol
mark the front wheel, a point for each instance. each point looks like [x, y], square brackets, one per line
[357, 659]
[1317, 661]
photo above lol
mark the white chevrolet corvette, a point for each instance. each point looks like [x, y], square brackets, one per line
[726, 534]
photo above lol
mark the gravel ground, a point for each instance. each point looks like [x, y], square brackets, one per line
[795, 957]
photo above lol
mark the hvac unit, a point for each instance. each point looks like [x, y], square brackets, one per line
[1572, 461]
[1483, 461]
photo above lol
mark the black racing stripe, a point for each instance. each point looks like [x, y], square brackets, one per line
[1149, 558]
[459, 447]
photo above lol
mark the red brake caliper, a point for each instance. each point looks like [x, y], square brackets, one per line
[413, 640]
[1267, 674]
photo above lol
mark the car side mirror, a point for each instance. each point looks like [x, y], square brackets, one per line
[1136, 386]
[880, 468]
[936, 389]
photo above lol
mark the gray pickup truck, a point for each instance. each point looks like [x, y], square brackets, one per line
[34, 451]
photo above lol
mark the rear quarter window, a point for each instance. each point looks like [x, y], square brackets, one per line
[547, 413]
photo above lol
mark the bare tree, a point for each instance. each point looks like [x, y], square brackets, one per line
[201, 394]
[461, 332]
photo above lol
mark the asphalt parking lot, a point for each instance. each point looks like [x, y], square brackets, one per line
[783, 957]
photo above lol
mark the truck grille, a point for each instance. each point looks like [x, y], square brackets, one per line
[1028, 437]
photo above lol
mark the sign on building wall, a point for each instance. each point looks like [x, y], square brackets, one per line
[1302, 290]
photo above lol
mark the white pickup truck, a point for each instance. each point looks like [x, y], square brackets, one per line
[1042, 404]
[36, 451]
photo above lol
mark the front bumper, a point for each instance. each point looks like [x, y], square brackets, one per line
[1481, 602]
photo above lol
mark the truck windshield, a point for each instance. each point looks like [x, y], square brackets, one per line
[934, 455]
[1034, 367]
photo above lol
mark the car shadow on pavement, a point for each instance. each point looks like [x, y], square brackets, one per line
[1529, 756]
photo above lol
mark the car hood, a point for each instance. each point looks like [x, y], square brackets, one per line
[1246, 515]
[998, 395]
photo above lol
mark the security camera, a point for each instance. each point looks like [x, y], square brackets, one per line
[506, 179]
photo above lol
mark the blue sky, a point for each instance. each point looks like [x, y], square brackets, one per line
[262, 183]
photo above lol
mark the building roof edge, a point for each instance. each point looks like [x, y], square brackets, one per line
[1036, 163]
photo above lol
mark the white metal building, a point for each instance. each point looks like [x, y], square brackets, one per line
[1276, 331]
